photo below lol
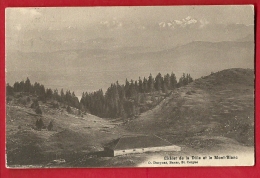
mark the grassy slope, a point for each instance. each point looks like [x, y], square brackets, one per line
[212, 116]
[221, 104]
[72, 137]
[214, 113]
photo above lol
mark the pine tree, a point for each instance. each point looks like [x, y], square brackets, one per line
[145, 85]
[173, 81]
[36, 87]
[9, 89]
[56, 95]
[27, 85]
[164, 87]
[38, 110]
[62, 95]
[141, 87]
[127, 91]
[42, 94]
[150, 83]
[21, 85]
[16, 87]
[167, 81]
[158, 82]
[132, 89]
[50, 126]
[37, 124]
[49, 93]
[41, 124]
[190, 79]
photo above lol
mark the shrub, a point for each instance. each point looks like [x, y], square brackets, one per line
[38, 110]
[69, 109]
[50, 126]
[8, 99]
[22, 101]
[188, 93]
[39, 124]
[55, 105]
[19, 95]
[35, 104]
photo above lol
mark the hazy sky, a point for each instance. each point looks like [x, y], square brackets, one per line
[22, 18]
[52, 45]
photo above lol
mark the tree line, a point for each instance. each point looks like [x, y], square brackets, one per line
[124, 100]
[43, 94]
[119, 100]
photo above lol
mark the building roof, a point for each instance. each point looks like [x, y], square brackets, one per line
[139, 141]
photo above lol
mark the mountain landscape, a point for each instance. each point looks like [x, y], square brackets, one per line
[211, 114]
[80, 78]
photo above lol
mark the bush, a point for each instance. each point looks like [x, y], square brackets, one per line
[19, 95]
[38, 110]
[22, 101]
[35, 104]
[69, 109]
[50, 126]
[8, 99]
[188, 93]
[39, 124]
[55, 105]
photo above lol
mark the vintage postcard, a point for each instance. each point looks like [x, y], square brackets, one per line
[162, 86]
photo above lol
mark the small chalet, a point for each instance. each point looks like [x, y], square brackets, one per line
[138, 144]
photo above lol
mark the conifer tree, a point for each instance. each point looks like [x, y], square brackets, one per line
[27, 85]
[9, 89]
[173, 81]
[50, 126]
[158, 82]
[41, 124]
[167, 82]
[62, 95]
[150, 83]
[141, 87]
[145, 85]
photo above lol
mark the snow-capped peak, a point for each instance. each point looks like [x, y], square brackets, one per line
[179, 22]
[188, 18]
[162, 24]
[113, 23]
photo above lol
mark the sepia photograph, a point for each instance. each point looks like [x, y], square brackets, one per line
[130, 86]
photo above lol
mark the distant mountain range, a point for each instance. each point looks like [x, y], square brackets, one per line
[116, 34]
[91, 69]
[89, 58]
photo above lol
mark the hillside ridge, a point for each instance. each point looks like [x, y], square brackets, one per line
[211, 105]
[212, 113]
